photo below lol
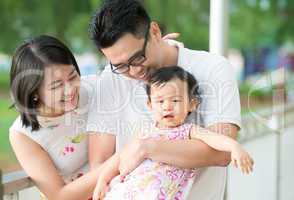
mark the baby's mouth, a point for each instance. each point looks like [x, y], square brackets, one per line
[168, 116]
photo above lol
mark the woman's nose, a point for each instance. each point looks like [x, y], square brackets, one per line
[67, 89]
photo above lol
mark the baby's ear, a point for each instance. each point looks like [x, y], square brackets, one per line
[193, 104]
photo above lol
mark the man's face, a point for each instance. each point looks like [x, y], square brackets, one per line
[129, 50]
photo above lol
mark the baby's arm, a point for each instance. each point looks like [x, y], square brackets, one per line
[221, 142]
[110, 169]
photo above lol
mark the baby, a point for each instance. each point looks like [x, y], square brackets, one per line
[172, 96]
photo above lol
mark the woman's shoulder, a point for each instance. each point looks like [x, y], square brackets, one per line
[19, 134]
[17, 126]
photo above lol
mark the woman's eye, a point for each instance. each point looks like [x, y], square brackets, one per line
[73, 77]
[56, 86]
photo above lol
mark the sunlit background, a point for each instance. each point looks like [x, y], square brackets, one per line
[261, 49]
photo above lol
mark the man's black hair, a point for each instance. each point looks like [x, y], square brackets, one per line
[116, 18]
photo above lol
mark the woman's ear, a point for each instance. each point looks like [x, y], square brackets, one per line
[155, 31]
[193, 104]
[149, 104]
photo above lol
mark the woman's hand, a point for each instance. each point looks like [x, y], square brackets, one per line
[241, 159]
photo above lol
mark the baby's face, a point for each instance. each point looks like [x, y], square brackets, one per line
[170, 103]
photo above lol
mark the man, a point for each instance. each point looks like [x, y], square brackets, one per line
[124, 33]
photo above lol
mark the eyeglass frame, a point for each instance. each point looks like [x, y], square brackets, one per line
[142, 52]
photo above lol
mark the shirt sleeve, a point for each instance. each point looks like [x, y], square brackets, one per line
[221, 99]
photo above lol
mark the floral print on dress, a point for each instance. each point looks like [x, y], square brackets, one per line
[72, 141]
[156, 181]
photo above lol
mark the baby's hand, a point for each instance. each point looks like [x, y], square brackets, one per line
[241, 159]
[100, 190]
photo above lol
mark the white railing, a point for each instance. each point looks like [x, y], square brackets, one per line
[15, 184]
[255, 125]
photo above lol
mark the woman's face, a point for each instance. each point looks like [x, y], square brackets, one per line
[59, 91]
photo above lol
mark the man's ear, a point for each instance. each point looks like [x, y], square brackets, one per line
[155, 31]
[193, 104]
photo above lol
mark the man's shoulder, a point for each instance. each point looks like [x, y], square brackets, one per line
[201, 58]
[202, 64]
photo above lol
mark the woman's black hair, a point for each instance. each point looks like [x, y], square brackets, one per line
[27, 73]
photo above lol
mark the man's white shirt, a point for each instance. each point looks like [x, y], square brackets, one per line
[120, 108]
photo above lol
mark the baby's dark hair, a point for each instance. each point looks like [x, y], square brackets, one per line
[165, 74]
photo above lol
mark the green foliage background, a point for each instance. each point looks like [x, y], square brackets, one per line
[252, 22]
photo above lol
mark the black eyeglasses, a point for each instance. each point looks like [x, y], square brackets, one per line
[136, 60]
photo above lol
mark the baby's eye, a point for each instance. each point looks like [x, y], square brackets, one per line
[176, 100]
[160, 101]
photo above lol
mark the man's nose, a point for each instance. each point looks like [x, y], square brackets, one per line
[135, 69]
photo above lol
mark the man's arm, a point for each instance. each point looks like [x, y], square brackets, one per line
[101, 147]
[108, 172]
[181, 153]
[190, 153]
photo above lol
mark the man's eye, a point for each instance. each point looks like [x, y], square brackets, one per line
[121, 66]
[138, 60]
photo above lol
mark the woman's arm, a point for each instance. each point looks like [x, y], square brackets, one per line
[39, 167]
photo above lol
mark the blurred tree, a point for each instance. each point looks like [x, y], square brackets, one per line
[253, 22]
[189, 17]
[285, 11]
[67, 20]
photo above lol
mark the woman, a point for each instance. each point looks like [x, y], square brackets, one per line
[49, 137]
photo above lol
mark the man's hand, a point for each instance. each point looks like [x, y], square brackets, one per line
[171, 36]
[132, 155]
[100, 190]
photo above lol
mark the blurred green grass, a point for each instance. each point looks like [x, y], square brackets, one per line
[4, 81]
[7, 116]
